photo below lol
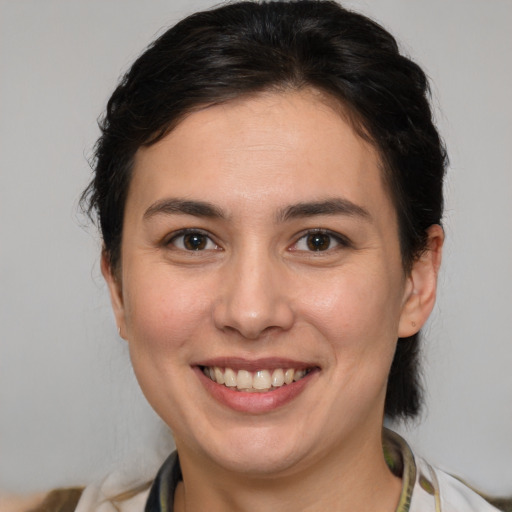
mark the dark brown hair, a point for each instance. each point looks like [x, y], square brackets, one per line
[243, 48]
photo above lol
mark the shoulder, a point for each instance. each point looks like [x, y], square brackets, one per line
[15, 503]
[429, 489]
[110, 496]
[449, 493]
[57, 500]
[118, 492]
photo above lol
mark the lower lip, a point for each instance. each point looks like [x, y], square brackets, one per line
[255, 403]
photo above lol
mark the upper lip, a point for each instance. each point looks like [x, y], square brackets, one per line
[265, 363]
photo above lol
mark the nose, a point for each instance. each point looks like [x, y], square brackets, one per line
[254, 298]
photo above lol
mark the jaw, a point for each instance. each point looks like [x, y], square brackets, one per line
[254, 434]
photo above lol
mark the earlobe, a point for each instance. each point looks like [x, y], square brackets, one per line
[115, 290]
[421, 286]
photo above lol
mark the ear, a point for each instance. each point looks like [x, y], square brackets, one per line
[116, 293]
[421, 287]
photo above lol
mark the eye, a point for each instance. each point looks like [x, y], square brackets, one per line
[193, 240]
[318, 241]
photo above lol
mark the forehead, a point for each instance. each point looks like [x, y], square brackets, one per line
[293, 146]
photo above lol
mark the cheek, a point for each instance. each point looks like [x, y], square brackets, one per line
[358, 316]
[165, 323]
[354, 305]
[162, 315]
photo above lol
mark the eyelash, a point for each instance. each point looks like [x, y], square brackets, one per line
[203, 236]
[191, 231]
[340, 240]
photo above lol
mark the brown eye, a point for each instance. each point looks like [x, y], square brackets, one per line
[193, 241]
[318, 241]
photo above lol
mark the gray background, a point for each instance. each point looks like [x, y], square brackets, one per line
[69, 407]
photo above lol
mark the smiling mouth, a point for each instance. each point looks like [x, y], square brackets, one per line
[260, 381]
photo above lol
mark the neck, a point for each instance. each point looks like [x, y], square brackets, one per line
[344, 480]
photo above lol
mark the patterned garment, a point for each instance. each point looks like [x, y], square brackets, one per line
[424, 489]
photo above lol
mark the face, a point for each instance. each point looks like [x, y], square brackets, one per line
[261, 289]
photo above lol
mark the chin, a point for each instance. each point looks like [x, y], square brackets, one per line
[258, 452]
[260, 462]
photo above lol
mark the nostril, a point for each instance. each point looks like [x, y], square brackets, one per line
[250, 333]
[253, 300]
[253, 324]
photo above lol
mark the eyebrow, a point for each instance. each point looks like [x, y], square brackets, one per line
[184, 207]
[334, 206]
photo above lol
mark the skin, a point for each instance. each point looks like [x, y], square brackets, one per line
[257, 290]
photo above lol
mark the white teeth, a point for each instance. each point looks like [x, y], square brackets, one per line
[219, 376]
[243, 380]
[230, 378]
[299, 374]
[277, 378]
[262, 380]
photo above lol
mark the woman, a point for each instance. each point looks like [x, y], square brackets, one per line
[268, 185]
